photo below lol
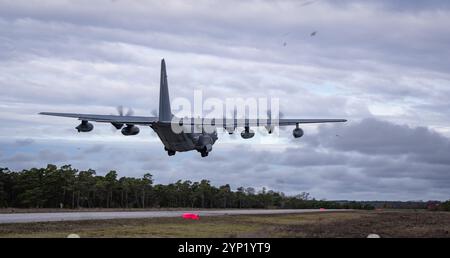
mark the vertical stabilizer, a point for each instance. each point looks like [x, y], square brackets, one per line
[165, 114]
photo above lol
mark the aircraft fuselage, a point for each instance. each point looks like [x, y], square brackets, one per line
[182, 141]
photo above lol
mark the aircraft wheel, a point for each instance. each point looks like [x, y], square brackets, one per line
[204, 153]
[170, 152]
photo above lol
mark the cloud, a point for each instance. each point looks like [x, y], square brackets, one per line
[320, 163]
[19, 157]
[372, 136]
[53, 155]
[380, 64]
[94, 149]
[24, 142]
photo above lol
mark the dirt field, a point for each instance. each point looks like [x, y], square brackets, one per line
[344, 224]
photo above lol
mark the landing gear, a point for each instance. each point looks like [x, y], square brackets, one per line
[204, 153]
[170, 152]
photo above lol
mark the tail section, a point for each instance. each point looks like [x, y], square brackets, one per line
[165, 114]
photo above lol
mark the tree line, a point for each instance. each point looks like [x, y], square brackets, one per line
[66, 187]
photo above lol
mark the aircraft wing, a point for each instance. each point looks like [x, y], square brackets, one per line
[147, 120]
[284, 121]
[253, 122]
[135, 120]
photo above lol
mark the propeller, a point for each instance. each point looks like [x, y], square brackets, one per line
[269, 114]
[120, 111]
[281, 115]
[232, 134]
[130, 111]
[269, 118]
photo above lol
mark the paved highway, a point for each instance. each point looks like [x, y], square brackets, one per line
[66, 216]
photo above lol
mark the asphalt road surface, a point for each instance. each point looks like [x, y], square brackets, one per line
[65, 216]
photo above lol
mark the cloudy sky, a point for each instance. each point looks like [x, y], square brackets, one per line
[383, 65]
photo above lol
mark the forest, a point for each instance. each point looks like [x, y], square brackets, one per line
[67, 187]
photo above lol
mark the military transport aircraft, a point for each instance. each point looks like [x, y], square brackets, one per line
[173, 140]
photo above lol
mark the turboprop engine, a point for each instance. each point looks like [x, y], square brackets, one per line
[247, 133]
[130, 130]
[206, 142]
[297, 132]
[85, 126]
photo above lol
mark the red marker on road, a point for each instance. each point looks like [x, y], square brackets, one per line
[192, 216]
